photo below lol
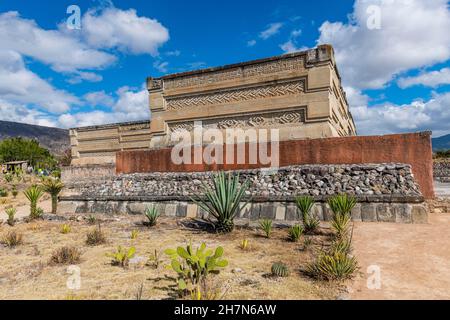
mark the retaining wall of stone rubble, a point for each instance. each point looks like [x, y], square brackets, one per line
[385, 192]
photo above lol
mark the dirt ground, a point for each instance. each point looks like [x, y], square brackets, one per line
[414, 260]
[26, 274]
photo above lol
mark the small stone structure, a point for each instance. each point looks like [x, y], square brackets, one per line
[385, 192]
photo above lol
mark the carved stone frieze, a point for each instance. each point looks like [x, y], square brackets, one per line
[241, 94]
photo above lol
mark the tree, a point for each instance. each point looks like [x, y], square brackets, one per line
[18, 149]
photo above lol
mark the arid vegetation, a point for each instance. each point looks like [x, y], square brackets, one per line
[184, 258]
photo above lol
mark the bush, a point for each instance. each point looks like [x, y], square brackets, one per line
[279, 269]
[11, 212]
[33, 194]
[14, 192]
[12, 239]
[66, 255]
[65, 228]
[53, 187]
[304, 205]
[152, 215]
[223, 200]
[134, 234]
[333, 266]
[295, 232]
[91, 219]
[266, 227]
[194, 266]
[3, 192]
[244, 244]
[95, 237]
[342, 206]
[122, 256]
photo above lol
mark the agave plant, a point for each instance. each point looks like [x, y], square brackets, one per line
[333, 266]
[222, 201]
[33, 194]
[11, 212]
[53, 187]
[304, 205]
[342, 206]
[152, 215]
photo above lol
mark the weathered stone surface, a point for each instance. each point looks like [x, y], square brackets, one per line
[267, 211]
[403, 212]
[374, 182]
[356, 213]
[419, 214]
[368, 212]
[384, 213]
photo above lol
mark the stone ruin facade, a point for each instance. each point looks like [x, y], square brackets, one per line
[122, 168]
[299, 93]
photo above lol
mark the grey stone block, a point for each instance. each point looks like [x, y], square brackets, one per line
[317, 211]
[356, 213]
[267, 211]
[181, 210]
[368, 212]
[254, 212]
[327, 212]
[419, 213]
[384, 213]
[291, 212]
[403, 212]
[170, 210]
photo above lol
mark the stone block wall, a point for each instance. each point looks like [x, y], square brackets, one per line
[441, 170]
[385, 192]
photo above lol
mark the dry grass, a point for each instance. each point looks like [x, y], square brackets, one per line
[26, 274]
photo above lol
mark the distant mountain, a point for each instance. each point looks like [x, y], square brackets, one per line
[54, 139]
[441, 143]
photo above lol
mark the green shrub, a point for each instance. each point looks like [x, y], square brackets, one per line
[3, 192]
[134, 234]
[8, 177]
[91, 219]
[95, 237]
[122, 256]
[295, 232]
[194, 266]
[152, 215]
[341, 205]
[14, 191]
[266, 227]
[33, 194]
[53, 187]
[304, 205]
[279, 269]
[223, 200]
[11, 212]
[333, 266]
[12, 239]
[66, 255]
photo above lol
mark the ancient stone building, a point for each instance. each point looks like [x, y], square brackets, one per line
[299, 93]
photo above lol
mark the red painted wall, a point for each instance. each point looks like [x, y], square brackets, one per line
[411, 148]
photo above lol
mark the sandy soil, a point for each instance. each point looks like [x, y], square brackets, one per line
[26, 274]
[414, 260]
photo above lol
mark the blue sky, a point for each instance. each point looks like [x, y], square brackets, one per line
[396, 71]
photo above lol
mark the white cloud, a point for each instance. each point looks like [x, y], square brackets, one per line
[251, 43]
[79, 77]
[99, 98]
[123, 30]
[53, 47]
[429, 79]
[413, 34]
[296, 33]
[271, 30]
[131, 105]
[20, 113]
[174, 53]
[416, 116]
[20, 85]
[161, 66]
[289, 47]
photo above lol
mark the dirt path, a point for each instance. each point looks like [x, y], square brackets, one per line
[414, 259]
